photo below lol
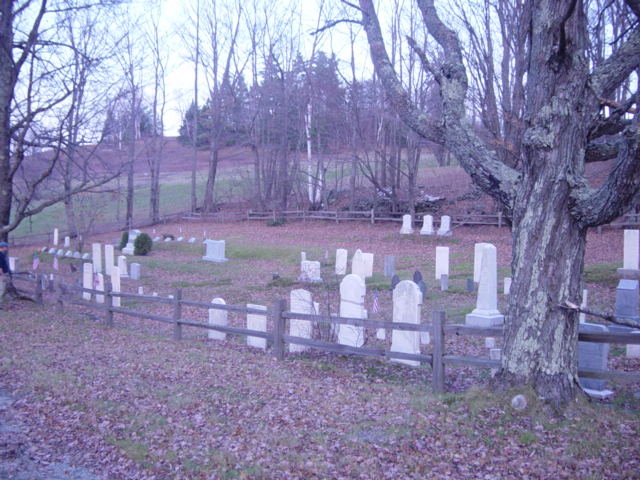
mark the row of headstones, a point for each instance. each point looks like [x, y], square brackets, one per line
[427, 225]
[407, 301]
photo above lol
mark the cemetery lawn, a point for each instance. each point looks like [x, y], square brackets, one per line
[129, 402]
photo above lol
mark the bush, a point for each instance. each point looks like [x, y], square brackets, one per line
[276, 223]
[142, 245]
[124, 240]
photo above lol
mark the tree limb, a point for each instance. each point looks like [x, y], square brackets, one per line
[610, 74]
[626, 321]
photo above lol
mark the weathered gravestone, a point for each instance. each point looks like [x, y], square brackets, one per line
[341, 261]
[417, 276]
[389, 265]
[445, 226]
[352, 293]
[130, 248]
[87, 279]
[109, 260]
[444, 282]
[407, 301]
[192, 240]
[134, 271]
[217, 317]
[256, 321]
[86, 256]
[99, 285]
[310, 271]
[395, 280]
[628, 306]
[631, 257]
[427, 225]
[122, 265]
[115, 285]
[507, 285]
[96, 257]
[486, 313]
[215, 251]
[67, 242]
[593, 356]
[477, 260]
[442, 261]
[301, 302]
[406, 228]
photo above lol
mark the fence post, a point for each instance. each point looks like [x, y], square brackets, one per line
[438, 351]
[108, 301]
[336, 215]
[274, 214]
[278, 328]
[499, 219]
[373, 216]
[59, 299]
[38, 294]
[177, 313]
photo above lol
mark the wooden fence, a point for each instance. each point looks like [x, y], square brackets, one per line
[277, 338]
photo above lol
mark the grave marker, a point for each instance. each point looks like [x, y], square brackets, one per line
[300, 303]
[593, 356]
[445, 226]
[442, 261]
[407, 300]
[256, 321]
[486, 313]
[215, 251]
[477, 260]
[389, 265]
[115, 285]
[134, 271]
[341, 261]
[310, 271]
[96, 257]
[87, 279]
[427, 225]
[108, 258]
[407, 227]
[217, 317]
[352, 293]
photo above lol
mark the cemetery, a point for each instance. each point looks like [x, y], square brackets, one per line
[295, 297]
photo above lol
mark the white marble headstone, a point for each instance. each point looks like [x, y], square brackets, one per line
[341, 261]
[407, 227]
[301, 302]
[445, 225]
[215, 251]
[256, 321]
[217, 317]
[486, 313]
[352, 293]
[407, 300]
[427, 225]
[87, 279]
[442, 261]
[96, 257]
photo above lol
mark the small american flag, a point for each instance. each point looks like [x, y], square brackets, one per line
[55, 263]
[36, 261]
[376, 302]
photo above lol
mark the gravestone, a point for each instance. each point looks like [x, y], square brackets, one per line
[477, 260]
[87, 279]
[109, 259]
[215, 250]
[442, 261]
[593, 356]
[352, 293]
[115, 285]
[303, 257]
[470, 285]
[406, 228]
[179, 239]
[417, 276]
[217, 317]
[301, 302]
[156, 239]
[67, 242]
[427, 225]
[60, 253]
[507, 285]
[633, 351]
[486, 313]
[407, 301]
[310, 271]
[422, 285]
[130, 248]
[490, 342]
[168, 239]
[13, 264]
[389, 265]
[628, 299]
[367, 261]
[96, 257]
[56, 237]
[495, 354]
[77, 255]
[134, 271]
[68, 253]
[257, 321]
[192, 240]
[86, 256]
[99, 285]
[341, 261]
[140, 290]
[631, 257]
[357, 264]
[122, 265]
[445, 226]
[444, 282]
[52, 251]
[395, 280]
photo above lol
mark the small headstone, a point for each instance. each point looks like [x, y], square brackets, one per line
[134, 271]
[217, 317]
[192, 240]
[507, 285]
[471, 285]
[179, 239]
[407, 301]
[445, 226]
[140, 290]
[60, 253]
[389, 265]
[115, 285]
[215, 251]
[156, 239]
[519, 402]
[633, 351]
[352, 293]
[427, 225]
[301, 302]
[303, 256]
[52, 251]
[67, 242]
[444, 282]
[442, 261]
[593, 356]
[395, 280]
[341, 261]
[68, 254]
[407, 227]
[77, 255]
[326, 256]
[256, 321]
[490, 342]
[86, 256]
[122, 265]
[417, 276]
[628, 299]
[168, 239]
[495, 354]
[310, 272]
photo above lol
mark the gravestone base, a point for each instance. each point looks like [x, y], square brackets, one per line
[628, 273]
[482, 319]
[214, 259]
[598, 394]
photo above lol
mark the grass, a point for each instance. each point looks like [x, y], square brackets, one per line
[602, 273]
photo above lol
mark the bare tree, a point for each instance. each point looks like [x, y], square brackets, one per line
[548, 197]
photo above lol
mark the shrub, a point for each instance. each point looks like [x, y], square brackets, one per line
[124, 240]
[276, 223]
[142, 245]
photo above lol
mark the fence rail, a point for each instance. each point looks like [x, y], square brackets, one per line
[277, 337]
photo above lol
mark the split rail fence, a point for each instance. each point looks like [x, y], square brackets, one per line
[277, 338]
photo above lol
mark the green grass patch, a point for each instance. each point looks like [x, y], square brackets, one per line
[602, 273]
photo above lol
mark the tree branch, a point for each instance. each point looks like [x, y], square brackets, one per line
[610, 74]
[626, 321]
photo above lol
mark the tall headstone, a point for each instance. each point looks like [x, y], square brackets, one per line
[217, 317]
[357, 264]
[134, 271]
[427, 225]
[486, 313]
[352, 293]
[477, 260]
[122, 265]
[310, 271]
[407, 300]
[109, 258]
[442, 261]
[87, 279]
[445, 226]
[56, 237]
[367, 264]
[115, 284]
[593, 356]
[301, 302]
[631, 259]
[96, 257]
[389, 265]
[215, 251]
[341, 261]
[257, 321]
[407, 227]
[99, 284]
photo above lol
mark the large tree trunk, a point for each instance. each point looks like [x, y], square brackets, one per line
[6, 95]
